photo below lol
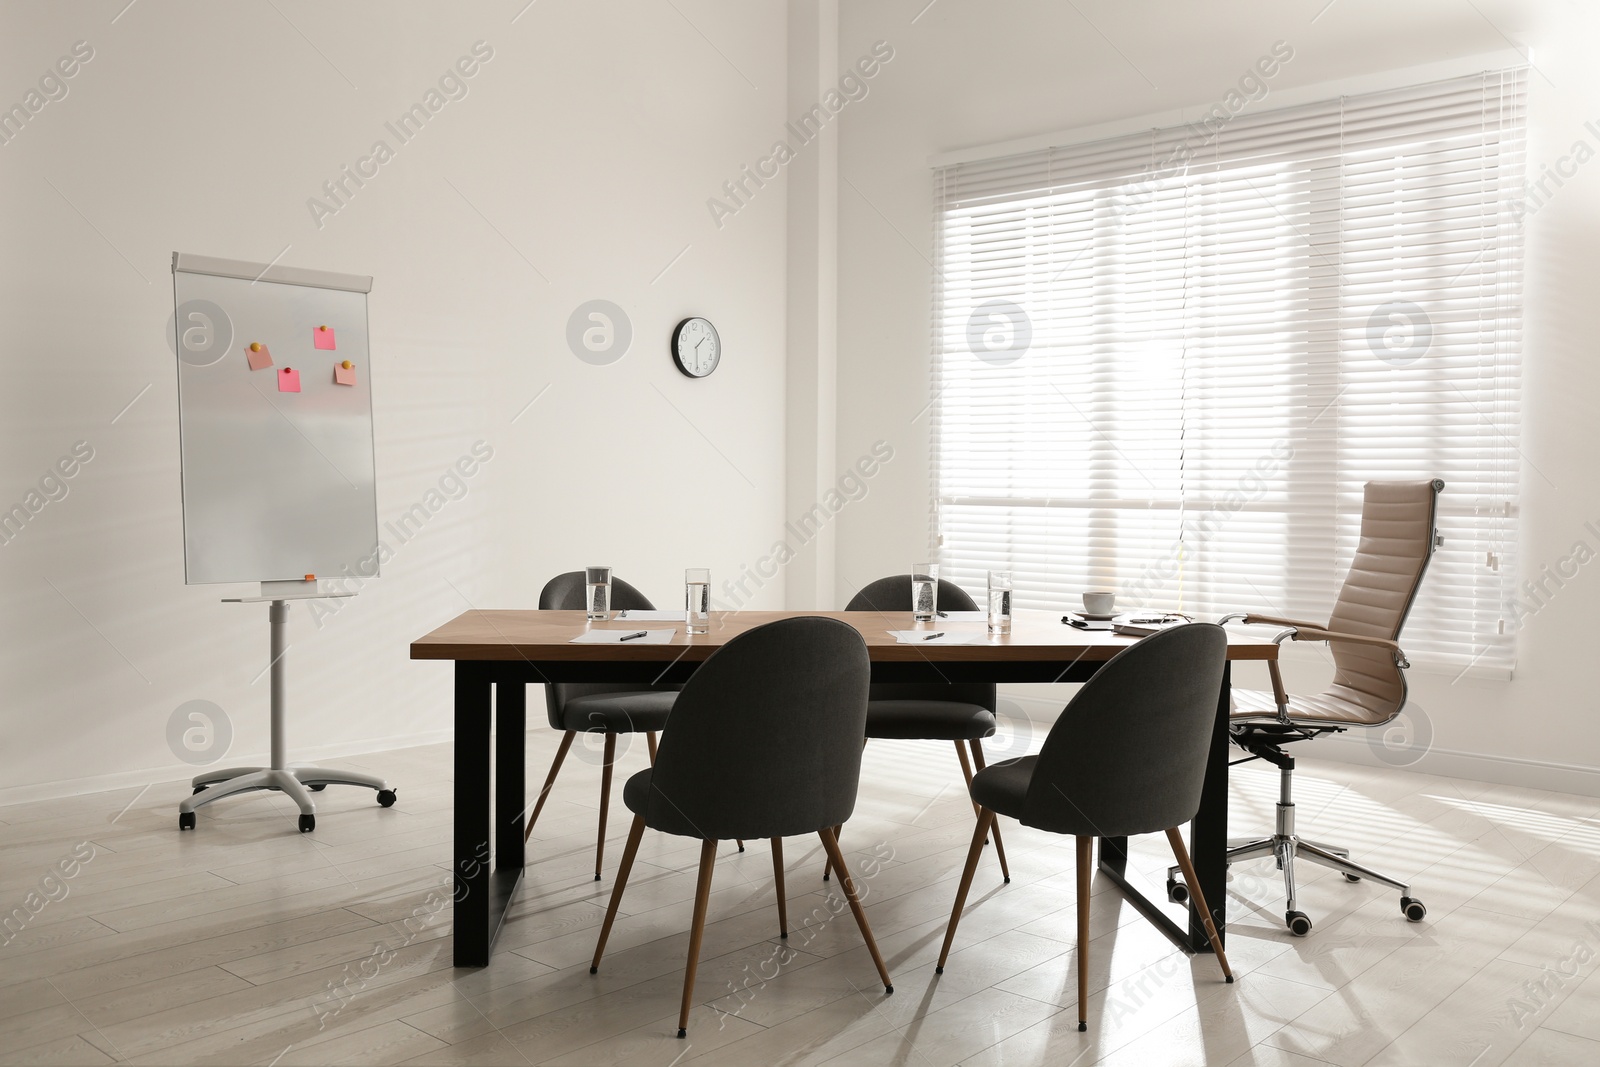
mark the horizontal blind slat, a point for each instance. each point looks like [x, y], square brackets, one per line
[1166, 363]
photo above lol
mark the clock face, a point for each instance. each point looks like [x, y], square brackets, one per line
[696, 348]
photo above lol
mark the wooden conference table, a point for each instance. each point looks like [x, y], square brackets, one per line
[505, 650]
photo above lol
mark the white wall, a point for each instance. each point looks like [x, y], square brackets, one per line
[591, 142]
[587, 147]
[969, 74]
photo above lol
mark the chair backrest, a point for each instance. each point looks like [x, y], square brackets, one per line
[565, 592]
[1128, 754]
[765, 738]
[1397, 540]
[894, 594]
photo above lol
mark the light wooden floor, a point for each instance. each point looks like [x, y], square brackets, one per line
[222, 945]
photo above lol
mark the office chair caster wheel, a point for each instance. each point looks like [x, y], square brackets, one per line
[1413, 909]
[1177, 892]
[198, 790]
[1352, 878]
[387, 797]
[186, 819]
[308, 823]
[1299, 923]
[319, 787]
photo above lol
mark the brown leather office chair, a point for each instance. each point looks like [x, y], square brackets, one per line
[1398, 537]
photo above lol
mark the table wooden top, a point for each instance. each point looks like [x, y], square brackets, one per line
[545, 636]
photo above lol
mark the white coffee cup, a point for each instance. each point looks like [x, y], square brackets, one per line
[1099, 603]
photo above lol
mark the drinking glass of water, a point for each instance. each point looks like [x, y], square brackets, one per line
[999, 602]
[924, 591]
[697, 599]
[597, 592]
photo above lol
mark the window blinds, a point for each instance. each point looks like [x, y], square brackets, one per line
[1166, 364]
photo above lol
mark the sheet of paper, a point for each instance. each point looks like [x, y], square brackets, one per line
[344, 373]
[635, 615]
[259, 357]
[948, 637]
[288, 380]
[965, 616]
[614, 637]
[322, 337]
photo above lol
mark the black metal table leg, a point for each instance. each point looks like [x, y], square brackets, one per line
[1208, 835]
[1208, 845]
[471, 870]
[510, 772]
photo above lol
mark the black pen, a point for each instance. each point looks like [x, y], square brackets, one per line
[630, 637]
[942, 614]
[930, 637]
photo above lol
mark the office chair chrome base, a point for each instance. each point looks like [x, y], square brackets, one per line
[1284, 846]
[297, 781]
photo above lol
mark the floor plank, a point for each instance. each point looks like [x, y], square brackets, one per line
[247, 942]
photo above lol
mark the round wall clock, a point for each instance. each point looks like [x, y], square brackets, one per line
[696, 348]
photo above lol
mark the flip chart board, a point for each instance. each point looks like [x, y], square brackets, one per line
[278, 474]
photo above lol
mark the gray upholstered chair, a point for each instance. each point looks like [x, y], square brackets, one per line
[1126, 757]
[1398, 537]
[599, 706]
[764, 741]
[961, 712]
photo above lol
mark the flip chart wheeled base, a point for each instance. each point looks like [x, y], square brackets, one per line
[295, 780]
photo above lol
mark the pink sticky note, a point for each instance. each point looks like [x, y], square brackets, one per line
[343, 375]
[259, 357]
[288, 380]
[322, 337]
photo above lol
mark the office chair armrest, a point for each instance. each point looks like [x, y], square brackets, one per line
[1250, 618]
[1317, 633]
[1280, 695]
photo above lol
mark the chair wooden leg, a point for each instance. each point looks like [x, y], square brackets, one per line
[830, 843]
[650, 739]
[605, 800]
[740, 843]
[999, 846]
[777, 876]
[628, 852]
[986, 820]
[702, 897]
[1181, 853]
[550, 780]
[966, 772]
[1085, 871]
[827, 860]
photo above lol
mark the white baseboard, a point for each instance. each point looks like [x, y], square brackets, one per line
[1041, 712]
[1354, 747]
[72, 787]
[1474, 766]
